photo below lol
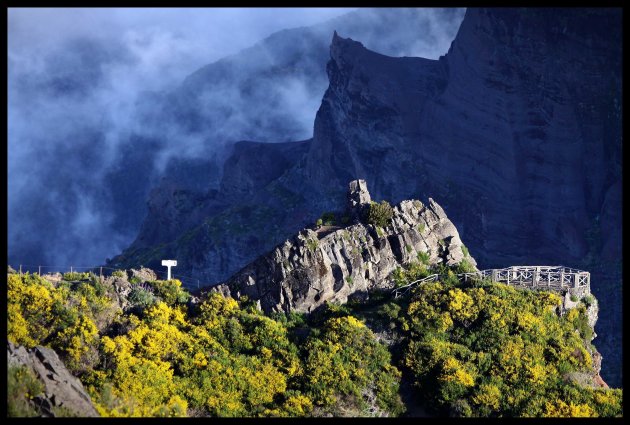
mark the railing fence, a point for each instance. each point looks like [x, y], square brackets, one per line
[533, 277]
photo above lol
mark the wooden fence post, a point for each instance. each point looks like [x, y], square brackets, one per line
[20, 270]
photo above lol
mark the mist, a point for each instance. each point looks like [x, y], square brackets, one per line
[103, 103]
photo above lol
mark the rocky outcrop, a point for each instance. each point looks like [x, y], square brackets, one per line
[358, 199]
[310, 269]
[591, 378]
[62, 391]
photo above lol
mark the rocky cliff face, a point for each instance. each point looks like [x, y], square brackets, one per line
[516, 132]
[61, 389]
[510, 130]
[332, 265]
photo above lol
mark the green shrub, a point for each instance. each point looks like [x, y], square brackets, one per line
[421, 227]
[390, 311]
[409, 248]
[465, 251]
[75, 276]
[170, 291]
[22, 386]
[379, 215]
[319, 222]
[588, 300]
[344, 362]
[312, 244]
[141, 298]
[465, 266]
[349, 280]
[119, 273]
[574, 298]
[328, 218]
[423, 257]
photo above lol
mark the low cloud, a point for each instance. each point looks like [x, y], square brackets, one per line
[88, 86]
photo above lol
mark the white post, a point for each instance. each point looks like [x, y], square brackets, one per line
[169, 264]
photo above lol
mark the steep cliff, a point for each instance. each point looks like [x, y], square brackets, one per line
[520, 132]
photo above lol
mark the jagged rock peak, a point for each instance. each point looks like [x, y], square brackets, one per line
[358, 198]
[345, 47]
[334, 264]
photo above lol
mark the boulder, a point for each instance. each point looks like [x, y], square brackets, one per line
[61, 388]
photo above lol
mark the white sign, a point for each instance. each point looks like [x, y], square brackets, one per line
[169, 264]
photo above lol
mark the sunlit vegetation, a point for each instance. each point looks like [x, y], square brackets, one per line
[488, 349]
[166, 357]
[471, 349]
[379, 214]
[22, 386]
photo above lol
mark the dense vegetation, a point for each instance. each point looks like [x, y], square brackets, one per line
[166, 357]
[488, 349]
[475, 349]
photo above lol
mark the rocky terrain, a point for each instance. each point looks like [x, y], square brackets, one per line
[515, 132]
[317, 267]
[61, 389]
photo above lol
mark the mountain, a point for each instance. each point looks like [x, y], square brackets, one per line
[515, 132]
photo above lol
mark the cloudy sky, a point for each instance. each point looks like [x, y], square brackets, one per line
[75, 77]
[176, 41]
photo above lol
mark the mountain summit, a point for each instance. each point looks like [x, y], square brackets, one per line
[335, 263]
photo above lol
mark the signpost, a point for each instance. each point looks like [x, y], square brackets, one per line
[169, 264]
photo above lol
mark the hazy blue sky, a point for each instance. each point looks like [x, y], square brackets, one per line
[179, 40]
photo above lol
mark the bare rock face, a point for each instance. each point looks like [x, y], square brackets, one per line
[358, 198]
[61, 388]
[312, 268]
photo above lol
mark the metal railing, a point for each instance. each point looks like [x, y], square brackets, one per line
[534, 277]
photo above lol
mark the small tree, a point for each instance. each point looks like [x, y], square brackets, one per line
[380, 214]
